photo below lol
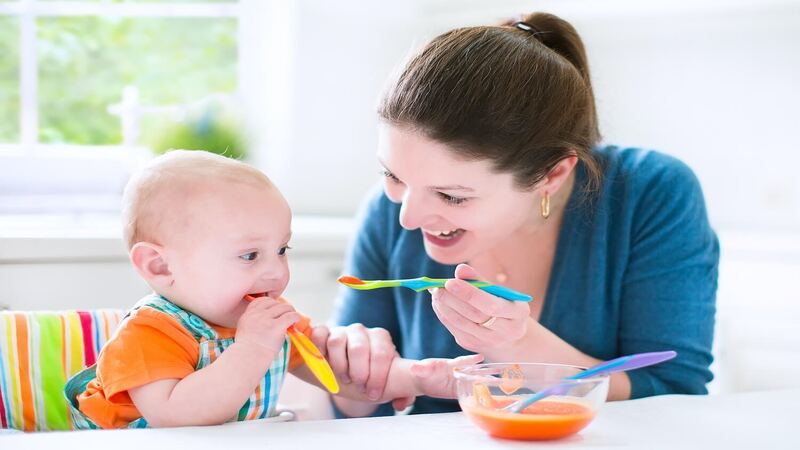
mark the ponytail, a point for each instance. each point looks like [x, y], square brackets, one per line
[560, 36]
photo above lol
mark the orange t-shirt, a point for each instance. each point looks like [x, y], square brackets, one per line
[149, 346]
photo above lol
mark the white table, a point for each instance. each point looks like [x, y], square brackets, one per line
[759, 420]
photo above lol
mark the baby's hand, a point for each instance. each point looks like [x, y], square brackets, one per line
[264, 324]
[434, 376]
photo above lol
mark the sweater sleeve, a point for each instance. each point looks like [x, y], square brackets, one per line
[670, 282]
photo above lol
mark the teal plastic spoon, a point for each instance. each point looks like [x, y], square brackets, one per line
[423, 283]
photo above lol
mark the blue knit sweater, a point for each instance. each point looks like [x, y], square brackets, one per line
[635, 270]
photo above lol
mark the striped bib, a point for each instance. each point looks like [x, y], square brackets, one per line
[259, 405]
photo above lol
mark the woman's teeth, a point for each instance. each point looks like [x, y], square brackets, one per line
[446, 234]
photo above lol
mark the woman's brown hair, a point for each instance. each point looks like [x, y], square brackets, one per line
[520, 97]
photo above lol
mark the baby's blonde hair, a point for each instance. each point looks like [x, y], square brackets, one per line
[174, 173]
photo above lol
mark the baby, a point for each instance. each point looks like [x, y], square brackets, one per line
[204, 231]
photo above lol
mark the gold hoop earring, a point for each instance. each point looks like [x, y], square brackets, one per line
[546, 205]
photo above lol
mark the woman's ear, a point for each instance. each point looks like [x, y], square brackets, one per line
[151, 264]
[558, 175]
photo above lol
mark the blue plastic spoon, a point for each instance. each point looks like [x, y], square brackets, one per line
[620, 364]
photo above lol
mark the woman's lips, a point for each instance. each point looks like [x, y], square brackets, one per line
[447, 240]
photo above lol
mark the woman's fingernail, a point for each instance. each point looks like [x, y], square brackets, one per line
[362, 389]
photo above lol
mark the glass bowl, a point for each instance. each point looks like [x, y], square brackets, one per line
[485, 389]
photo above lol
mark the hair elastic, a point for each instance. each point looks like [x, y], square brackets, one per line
[528, 28]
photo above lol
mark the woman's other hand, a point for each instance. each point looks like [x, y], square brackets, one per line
[360, 356]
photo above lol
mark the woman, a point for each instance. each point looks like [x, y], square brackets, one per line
[489, 146]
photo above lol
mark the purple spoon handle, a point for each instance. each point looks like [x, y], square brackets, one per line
[624, 363]
[620, 364]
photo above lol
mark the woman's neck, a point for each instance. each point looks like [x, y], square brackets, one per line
[525, 259]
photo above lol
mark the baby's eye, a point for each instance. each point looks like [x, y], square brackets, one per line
[283, 250]
[252, 256]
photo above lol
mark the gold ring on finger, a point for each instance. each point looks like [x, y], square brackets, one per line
[488, 322]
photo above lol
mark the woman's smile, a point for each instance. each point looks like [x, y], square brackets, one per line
[443, 238]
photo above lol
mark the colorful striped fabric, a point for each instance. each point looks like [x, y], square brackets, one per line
[39, 351]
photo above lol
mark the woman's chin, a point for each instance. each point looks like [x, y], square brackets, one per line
[447, 256]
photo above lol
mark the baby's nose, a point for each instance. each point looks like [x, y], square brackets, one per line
[273, 273]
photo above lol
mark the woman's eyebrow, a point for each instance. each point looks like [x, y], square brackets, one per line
[450, 187]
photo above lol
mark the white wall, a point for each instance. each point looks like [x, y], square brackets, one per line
[712, 82]
[718, 90]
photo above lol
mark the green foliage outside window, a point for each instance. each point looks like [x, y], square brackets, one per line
[9, 79]
[85, 62]
[214, 125]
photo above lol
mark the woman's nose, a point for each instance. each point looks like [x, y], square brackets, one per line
[412, 211]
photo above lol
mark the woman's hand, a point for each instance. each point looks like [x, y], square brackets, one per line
[360, 356]
[479, 321]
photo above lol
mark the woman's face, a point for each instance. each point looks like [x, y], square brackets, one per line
[462, 207]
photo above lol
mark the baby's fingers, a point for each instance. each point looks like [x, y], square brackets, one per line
[466, 360]
[438, 366]
[286, 320]
[434, 376]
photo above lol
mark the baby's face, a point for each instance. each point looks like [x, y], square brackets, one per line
[232, 241]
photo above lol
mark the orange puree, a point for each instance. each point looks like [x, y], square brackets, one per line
[545, 419]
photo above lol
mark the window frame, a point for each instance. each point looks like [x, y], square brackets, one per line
[29, 11]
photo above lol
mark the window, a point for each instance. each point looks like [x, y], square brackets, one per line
[9, 79]
[80, 80]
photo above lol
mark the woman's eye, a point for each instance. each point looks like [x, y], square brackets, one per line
[390, 176]
[252, 256]
[283, 250]
[449, 199]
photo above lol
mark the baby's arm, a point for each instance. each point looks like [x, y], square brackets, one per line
[214, 394]
[209, 396]
[408, 378]
[432, 377]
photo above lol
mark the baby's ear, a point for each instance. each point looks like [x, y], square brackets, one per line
[150, 263]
